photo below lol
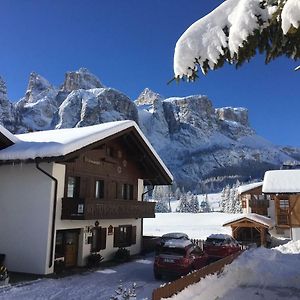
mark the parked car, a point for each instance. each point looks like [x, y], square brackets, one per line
[170, 236]
[218, 246]
[178, 257]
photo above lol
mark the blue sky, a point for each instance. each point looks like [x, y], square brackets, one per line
[129, 45]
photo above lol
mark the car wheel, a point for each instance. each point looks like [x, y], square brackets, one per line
[157, 275]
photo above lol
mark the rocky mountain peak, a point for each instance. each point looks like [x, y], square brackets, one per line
[37, 86]
[239, 115]
[195, 104]
[81, 79]
[147, 96]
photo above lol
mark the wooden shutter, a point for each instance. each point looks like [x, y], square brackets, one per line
[133, 235]
[116, 237]
[102, 244]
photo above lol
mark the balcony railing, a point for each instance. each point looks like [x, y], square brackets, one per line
[90, 209]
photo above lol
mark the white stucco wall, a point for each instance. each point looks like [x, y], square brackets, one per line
[296, 233]
[271, 210]
[25, 217]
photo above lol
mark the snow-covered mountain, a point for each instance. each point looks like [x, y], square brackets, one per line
[207, 147]
[204, 147]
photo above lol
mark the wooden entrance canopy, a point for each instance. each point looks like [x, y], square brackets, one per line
[251, 228]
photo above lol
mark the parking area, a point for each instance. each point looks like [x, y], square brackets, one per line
[97, 284]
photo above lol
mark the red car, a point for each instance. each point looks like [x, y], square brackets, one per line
[178, 257]
[218, 246]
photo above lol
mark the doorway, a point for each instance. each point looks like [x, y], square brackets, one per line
[66, 247]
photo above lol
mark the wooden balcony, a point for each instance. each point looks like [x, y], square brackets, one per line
[91, 209]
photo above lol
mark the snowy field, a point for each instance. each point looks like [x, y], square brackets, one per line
[256, 274]
[197, 226]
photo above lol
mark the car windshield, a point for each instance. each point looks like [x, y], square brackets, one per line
[173, 251]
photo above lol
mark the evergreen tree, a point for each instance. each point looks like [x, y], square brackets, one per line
[162, 206]
[183, 204]
[269, 33]
[204, 204]
[194, 204]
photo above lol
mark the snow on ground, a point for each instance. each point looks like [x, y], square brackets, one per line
[196, 226]
[98, 285]
[257, 274]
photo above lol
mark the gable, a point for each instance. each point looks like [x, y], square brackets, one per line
[66, 144]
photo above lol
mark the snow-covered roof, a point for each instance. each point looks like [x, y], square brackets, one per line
[282, 181]
[177, 243]
[253, 217]
[175, 235]
[249, 187]
[60, 142]
[219, 236]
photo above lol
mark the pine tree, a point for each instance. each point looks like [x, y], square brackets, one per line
[183, 204]
[268, 36]
[162, 206]
[194, 204]
[204, 204]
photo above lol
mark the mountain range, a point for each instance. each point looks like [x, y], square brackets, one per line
[204, 147]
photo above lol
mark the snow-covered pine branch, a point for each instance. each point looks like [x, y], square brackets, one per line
[234, 31]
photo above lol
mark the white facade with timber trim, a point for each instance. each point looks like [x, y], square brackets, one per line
[60, 204]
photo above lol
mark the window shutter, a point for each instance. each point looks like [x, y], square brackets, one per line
[133, 235]
[116, 237]
[102, 239]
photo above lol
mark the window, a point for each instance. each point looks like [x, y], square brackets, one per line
[127, 191]
[73, 187]
[98, 239]
[284, 204]
[124, 235]
[99, 189]
[283, 212]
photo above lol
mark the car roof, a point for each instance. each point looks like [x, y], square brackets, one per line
[220, 236]
[175, 235]
[177, 243]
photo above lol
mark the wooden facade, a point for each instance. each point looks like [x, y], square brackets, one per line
[249, 231]
[256, 200]
[287, 210]
[102, 183]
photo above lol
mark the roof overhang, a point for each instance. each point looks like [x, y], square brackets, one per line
[255, 219]
[129, 133]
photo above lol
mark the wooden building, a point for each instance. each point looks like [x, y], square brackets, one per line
[253, 200]
[284, 187]
[67, 193]
[251, 228]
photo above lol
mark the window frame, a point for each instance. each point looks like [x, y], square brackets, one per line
[99, 192]
[127, 191]
[75, 188]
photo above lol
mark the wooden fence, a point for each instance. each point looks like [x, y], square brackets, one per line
[178, 285]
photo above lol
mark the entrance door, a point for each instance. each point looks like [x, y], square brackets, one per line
[67, 246]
